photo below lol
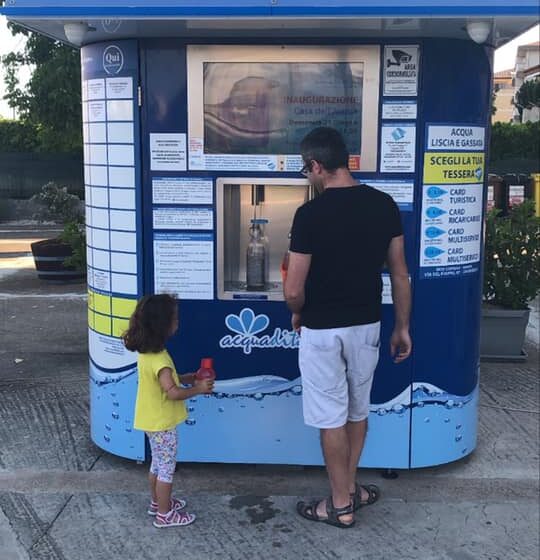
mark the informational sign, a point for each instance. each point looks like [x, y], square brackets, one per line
[490, 201]
[401, 191]
[183, 218]
[516, 194]
[451, 222]
[396, 110]
[96, 111]
[447, 168]
[451, 230]
[167, 152]
[184, 265]
[182, 190]
[251, 106]
[240, 162]
[119, 88]
[398, 141]
[95, 89]
[455, 138]
[386, 290]
[400, 73]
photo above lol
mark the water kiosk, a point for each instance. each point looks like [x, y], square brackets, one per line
[192, 115]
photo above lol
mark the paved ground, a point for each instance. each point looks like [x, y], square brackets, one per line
[62, 498]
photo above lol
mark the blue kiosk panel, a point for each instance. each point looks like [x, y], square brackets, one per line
[255, 413]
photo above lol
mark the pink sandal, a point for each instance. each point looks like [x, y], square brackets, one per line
[174, 519]
[176, 504]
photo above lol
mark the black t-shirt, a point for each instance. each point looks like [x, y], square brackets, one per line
[347, 232]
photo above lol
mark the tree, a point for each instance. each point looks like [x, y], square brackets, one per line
[528, 96]
[51, 101]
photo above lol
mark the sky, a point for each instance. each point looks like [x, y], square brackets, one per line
[504, 56]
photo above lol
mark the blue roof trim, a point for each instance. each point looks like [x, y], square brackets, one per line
[284, 8]
[121, 12]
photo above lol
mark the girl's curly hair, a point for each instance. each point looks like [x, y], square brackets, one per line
[150, 324]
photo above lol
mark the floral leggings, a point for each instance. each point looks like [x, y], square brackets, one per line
[163, 446]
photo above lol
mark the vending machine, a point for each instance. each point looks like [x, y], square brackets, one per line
[192, 171]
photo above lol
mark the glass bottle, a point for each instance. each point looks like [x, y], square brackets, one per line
[256, 258]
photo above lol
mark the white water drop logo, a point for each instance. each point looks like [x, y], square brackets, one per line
[111, 25]
[113, 60]
[246, 325]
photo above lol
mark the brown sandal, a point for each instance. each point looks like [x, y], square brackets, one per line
[373, 492]
[308, 510]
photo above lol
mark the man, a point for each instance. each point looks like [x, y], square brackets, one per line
[340, 241]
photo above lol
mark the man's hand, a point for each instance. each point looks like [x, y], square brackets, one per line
[400, 345]
[295, 322]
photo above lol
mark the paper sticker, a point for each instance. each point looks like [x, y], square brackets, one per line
[398, 143]
[455, 138]
[448, 168]
[184, 265]
[451, 229]
[182, 190]
[401, 70]
[406, 110]
[167, 152]
[183, 218]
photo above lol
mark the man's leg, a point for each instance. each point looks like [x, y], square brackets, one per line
[336, 450]
[325, 403]
[356, 434]
[361, 349]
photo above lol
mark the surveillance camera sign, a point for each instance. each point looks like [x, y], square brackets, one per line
[401, 70]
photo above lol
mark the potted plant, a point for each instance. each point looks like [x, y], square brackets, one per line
[511, 280]
[62, 257]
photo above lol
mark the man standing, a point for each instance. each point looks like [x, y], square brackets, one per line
[339, 244]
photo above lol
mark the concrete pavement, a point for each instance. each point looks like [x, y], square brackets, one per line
[62, 498]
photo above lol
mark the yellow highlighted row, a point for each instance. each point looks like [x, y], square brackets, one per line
[109, 315]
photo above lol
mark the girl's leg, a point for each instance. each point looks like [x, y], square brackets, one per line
[152, 479]
[163, 492]
[152, 475]
[163, 446]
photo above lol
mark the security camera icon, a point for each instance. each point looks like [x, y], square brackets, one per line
[400, 57]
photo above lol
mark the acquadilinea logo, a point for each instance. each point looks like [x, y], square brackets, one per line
[247, 328]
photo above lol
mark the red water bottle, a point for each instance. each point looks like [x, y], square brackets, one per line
[206, 371]
[284, 267]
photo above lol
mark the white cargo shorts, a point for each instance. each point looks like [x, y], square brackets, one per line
[337, 367]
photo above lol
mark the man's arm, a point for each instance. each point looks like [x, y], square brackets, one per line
[297, 272]
[400, 342]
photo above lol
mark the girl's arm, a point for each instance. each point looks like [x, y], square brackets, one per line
[187, 378]
[175, 393]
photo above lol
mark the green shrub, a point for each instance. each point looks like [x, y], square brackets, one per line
[18, 136]
[57, 205]
[515, 141]
[512, 257]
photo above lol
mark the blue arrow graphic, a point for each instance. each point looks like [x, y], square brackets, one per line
[432, 252]
[433, 232]
[434, 212]
[435, 192]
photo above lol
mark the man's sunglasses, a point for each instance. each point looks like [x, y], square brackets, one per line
[307, 168]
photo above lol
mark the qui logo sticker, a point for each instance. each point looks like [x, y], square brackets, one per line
[113, 60]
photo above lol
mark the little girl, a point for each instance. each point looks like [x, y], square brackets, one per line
[160, 400]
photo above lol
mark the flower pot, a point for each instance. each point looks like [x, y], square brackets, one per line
[49, 257]
[502, 334]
